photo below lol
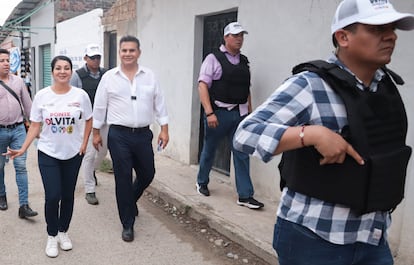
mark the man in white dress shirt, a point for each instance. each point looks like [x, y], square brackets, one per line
[127, 99]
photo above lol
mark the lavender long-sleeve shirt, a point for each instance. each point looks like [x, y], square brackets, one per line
[10, 111]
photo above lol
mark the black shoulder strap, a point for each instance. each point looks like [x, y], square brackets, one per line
[323, 68]
[243, 58]
[13, 93]
[102, 70]
[397, 79]
[82, 73]
[219, 55]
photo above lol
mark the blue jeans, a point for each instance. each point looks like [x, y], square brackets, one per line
[59, 181]
[14, 139]
[228, 122]
[297, 245]
[130, 150]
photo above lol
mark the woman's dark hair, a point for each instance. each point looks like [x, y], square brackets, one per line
[60, 58]
[129, 38]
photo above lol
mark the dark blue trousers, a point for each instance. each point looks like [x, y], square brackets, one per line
[297, 245]
[59, 181]
[130, 149]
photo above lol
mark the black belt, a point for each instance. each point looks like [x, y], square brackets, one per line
[11, 126]
[139, 129]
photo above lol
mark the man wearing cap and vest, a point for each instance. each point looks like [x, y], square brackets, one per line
[88, 78]
[224, 88]
[341, 126]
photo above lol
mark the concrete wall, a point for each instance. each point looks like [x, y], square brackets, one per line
[281, 34]
[43, 33]
[11, 41]
[72, 42]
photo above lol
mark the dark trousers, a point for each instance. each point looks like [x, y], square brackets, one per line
[130, 149]
[297, 245]
[59, 180]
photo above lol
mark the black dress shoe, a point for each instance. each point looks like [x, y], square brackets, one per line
[128, 234]
[26, 211]
[3, 203]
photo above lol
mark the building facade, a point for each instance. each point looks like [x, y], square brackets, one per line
[31, 27]
[176, 35]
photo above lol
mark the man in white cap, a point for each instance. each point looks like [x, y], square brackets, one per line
[224, 88]
[341, 126]
[88, 78]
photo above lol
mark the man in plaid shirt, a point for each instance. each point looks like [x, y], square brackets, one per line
[309, 230]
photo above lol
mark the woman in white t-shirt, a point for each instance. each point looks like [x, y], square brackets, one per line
[61, 116]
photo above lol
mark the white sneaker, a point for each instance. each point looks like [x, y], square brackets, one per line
[64, 241]
[52, 247]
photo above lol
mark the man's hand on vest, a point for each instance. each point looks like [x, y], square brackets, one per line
[331, 145]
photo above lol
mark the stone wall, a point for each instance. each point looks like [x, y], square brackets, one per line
[66, 9]
[122, 10]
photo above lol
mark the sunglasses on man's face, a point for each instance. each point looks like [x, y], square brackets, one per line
[95, 57]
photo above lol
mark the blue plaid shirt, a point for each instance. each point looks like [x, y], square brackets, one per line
[306, 99]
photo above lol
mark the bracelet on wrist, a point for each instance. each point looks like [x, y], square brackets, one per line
[302, 135]
[211, 113]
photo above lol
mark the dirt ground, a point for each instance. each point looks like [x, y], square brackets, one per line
[213, 245]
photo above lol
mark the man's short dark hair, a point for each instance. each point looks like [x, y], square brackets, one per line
[4, 51]
[129, 38]
[351, 28]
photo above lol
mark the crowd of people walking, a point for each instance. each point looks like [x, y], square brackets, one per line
[327, 120]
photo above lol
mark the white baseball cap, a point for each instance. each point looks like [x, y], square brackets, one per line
[234, 28]
[370, 12]
[92, 50]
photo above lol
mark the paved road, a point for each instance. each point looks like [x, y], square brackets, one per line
[95, 231]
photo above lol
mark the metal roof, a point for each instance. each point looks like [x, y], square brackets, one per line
[19, 14]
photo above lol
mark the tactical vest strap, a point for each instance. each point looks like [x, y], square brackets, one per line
[82, 73]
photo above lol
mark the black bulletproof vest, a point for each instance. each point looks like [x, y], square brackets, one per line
[377, 130]
[89, 84]
[233, 86]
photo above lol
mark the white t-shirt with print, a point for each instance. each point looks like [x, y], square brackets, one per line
[63, 117]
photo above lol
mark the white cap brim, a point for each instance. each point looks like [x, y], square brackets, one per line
[93, 54]
[236, 32]
[403, 21]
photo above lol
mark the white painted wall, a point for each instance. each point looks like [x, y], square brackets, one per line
[73, 35]
[281, 34]
[42, 32]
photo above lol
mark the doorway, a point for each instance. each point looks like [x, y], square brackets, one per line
[213, 37]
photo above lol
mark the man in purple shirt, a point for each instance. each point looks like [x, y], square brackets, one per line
[224, 88]
[13, 132]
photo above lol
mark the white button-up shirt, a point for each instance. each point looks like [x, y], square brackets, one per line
[131, 104]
